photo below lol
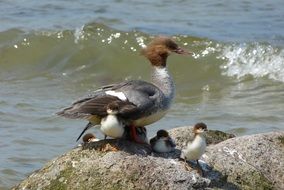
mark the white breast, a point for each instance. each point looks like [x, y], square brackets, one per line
[160, 146]
[150, 119]
[111, 127]
[195, 149]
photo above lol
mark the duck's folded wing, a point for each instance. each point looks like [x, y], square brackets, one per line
[95, 106]
[139, 100]
[144, 95]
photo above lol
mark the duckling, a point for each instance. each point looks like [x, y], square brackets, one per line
[162, 142]
[89, 137]
[110, 124]
[196, 148]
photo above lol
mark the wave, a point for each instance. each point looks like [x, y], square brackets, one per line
[94, 47]
[255, 59]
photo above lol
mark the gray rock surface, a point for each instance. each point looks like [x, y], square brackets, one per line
[238, 163]
[250, 161]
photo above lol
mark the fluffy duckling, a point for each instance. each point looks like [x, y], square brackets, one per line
[162, 142]
[89, 137]
[196, 148]
[110, 124]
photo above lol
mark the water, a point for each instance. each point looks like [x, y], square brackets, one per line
[53, 52]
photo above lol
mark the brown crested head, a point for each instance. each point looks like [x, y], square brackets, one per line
[200, 128]
[162, 133]
[159, 49]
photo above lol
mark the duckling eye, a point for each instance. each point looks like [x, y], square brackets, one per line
[201, 129]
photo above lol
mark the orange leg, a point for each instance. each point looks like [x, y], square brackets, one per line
[133, 134]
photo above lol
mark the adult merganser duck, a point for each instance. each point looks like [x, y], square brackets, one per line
[162, 142]
[139, 103]
[196, 148]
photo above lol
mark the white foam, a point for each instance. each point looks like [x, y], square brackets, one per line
[79, 34]
[140, 41]
[257, 60]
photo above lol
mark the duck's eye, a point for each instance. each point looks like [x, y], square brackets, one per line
[163, 54]
[172, 46]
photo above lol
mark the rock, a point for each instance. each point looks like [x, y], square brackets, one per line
[92, 168]
[250, 161]
[238, 163]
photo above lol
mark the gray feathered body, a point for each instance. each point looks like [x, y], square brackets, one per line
[140, 103]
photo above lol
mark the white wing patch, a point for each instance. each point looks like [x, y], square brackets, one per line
[120, 95]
